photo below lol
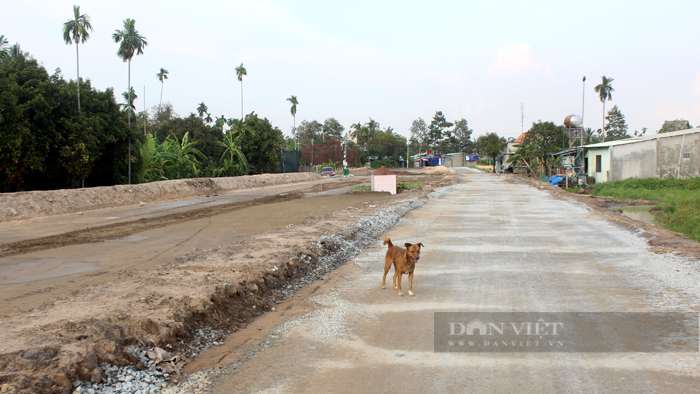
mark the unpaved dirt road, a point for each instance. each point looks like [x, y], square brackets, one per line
[50, 257]
[490, 246]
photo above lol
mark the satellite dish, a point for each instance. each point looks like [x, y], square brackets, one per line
[573, 122]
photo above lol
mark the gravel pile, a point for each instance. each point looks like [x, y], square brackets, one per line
[128, 379]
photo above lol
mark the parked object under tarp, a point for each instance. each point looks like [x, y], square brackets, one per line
[559, 180]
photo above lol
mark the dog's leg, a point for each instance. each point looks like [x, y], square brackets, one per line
[410, 283]
[394, 280]
[399, 274]
[387, 267]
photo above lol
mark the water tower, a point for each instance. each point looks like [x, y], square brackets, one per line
[574, 129]
[574, 162]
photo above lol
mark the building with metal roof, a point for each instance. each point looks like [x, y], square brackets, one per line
[668, 155]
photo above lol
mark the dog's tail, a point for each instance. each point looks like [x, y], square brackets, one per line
[387, 241]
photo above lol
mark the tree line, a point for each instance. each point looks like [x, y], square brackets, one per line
[48, 143]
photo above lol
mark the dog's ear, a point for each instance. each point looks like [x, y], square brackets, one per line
[407, 245]
[421, 244]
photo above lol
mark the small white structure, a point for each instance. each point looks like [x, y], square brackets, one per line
[383, 180]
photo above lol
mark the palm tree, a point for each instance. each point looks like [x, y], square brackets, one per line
[220, 122]
[604, 90]
[162, 76]
[294, 101]
[202, 109]
[372, 125]
[16, 51]
[4, 47]
[240, 72]
[131, 43]
[76, 30]
[208, 119]
[356, 131]
[129, 98]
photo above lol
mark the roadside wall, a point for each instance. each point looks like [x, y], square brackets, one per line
[637, 160]
[25, 205]
[671, 150]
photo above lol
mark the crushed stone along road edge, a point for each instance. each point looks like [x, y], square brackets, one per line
[355, 336]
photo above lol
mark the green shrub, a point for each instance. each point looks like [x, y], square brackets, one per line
[403, 186]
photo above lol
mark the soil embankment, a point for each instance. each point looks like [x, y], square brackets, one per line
[25, 205]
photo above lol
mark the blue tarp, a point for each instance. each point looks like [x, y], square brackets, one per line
[556, 180]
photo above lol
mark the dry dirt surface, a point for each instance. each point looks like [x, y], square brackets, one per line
[25, 205]
[78, 290]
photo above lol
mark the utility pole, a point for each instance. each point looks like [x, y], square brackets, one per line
[345, 153]
[583, 102]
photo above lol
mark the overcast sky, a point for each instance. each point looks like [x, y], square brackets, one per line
[393, 61]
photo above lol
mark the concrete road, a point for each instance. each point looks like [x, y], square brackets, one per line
[490, 246]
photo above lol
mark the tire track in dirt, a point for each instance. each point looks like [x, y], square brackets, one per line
[124, 229]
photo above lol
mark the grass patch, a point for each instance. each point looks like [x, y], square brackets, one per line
[403, 186]
[362, 188]
[680, 197]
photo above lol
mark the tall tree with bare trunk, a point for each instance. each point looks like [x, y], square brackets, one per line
[240, 72]
[77, 30]
[604, 90]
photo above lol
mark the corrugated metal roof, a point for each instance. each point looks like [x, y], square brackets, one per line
[643, 138]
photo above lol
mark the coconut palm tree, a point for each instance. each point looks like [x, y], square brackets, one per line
[294, 101]
[76, 30]
[372, 125]
[220, 122]
[604, 90]
[162, 76]
[131, 43]
[202, 109]
[16, 51]
[208, 119]
[240, 72]
[4, 47]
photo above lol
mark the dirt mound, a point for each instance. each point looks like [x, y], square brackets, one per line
[439, 169]
[25, 205]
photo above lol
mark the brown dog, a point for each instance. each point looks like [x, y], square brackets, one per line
[404, 261]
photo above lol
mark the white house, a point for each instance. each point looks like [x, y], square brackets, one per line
[667, 155]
